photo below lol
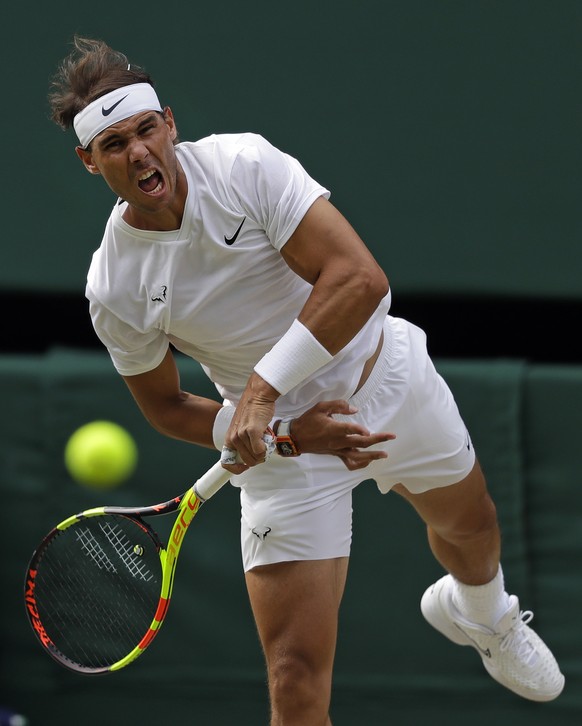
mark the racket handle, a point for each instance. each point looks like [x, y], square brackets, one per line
[209, 483]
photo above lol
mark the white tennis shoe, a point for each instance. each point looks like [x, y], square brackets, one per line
[513, 654]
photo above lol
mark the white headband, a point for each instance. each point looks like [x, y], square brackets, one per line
[113, 107]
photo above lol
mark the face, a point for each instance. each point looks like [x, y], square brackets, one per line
[137, 159]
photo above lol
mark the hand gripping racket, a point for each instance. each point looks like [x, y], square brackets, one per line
[98, 586]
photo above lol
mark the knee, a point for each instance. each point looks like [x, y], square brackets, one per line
[462, 512]
[299, 688]
[473, 520]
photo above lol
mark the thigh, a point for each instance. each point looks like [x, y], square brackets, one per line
[462, 507]
[296, 605]
[296, 510]
[406, 395]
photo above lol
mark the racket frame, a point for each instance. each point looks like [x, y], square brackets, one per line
[186, 507]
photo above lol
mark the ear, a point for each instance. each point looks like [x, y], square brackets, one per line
[169, 119]
[87, 159]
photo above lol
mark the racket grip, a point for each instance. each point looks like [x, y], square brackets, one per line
[209, 483]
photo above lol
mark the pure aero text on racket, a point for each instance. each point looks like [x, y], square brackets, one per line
[98, 586]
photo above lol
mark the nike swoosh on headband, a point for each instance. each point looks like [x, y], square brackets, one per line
[107, 111]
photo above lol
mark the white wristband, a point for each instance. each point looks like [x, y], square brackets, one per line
[221, 424]
[293, 359]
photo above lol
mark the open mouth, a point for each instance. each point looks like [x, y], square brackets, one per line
[151, 182]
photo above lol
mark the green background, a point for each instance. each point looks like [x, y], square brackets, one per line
[205, 667]
[447, 130]
[449, 134]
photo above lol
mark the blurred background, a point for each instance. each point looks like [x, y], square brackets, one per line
[449, 134]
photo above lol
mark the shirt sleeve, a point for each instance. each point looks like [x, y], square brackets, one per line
[131, 351]
[273, 188]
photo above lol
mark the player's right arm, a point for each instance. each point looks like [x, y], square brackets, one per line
[171, 410]
[182, 415]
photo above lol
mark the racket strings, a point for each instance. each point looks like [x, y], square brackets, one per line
[97, 589]
[92, 548]
[130, 553]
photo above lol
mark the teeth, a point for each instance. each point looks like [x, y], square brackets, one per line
[147, 175]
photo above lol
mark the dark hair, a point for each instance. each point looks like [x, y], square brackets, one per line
[91, 70]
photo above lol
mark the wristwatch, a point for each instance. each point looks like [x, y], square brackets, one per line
[286, 445]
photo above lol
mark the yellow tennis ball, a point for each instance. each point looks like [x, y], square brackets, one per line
[101, 454]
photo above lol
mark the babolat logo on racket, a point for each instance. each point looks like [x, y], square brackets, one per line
[32, 608]
[189, 508]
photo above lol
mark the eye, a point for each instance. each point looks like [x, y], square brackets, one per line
[112, 145]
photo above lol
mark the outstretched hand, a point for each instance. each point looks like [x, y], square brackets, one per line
[317, 432]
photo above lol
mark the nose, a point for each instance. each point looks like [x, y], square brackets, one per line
[137, 150]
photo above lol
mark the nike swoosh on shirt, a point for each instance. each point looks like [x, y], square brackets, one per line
[107, 111]
[232, 240]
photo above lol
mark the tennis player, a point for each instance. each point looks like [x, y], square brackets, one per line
[227, 250]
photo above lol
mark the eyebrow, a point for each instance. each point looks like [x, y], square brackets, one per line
[111, 135]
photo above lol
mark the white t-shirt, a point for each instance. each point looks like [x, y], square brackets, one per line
[218, 288]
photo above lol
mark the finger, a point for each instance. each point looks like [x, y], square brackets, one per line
[252, 452]
[243, 445]
[359, 441]
[250, 458]
[229, 456]
[339, 406]
[354, 459]
[365, 441]
[366, 456]
[352, 464]
[231, 461]
[351, 429]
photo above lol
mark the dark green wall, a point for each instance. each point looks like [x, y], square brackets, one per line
[448, 130]
[205, 668]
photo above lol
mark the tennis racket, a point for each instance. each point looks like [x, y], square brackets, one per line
[99, 585]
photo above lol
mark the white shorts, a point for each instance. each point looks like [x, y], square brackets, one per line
[301, 508]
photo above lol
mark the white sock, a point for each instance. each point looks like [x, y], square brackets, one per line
[483, 604]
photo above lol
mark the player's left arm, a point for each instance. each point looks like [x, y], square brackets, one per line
[348, 285]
